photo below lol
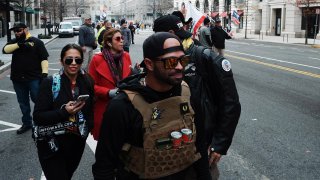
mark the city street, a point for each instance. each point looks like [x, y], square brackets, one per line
[278, 132]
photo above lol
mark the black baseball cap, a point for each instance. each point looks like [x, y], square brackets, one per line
[153, 45]
[171, 22]
[18, 25]
[180, 15]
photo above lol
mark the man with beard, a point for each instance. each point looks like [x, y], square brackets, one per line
[148, 129]
[29, 65]
[214, 94]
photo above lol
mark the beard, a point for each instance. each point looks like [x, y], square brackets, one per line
[168, 78]
[22, 37]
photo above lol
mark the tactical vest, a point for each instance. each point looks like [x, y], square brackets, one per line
[159, 120]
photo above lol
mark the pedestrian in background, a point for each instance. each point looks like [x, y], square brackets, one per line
[87, 41]
[106, 26]
[107, 69]
[29, 65]
[135, 139]
[214, 95]
[218, 37]
[205, 35]
[132, 29]
[126, 33]
[59, 155]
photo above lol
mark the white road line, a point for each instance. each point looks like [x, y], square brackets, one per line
[314, 58]
[92, 143]
[10, 92]
[12, 126]
[272, 59]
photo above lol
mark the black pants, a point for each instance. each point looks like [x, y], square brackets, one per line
[63, 163]
[132, 37]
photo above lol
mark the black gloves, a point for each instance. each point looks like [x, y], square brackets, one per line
[44, 75]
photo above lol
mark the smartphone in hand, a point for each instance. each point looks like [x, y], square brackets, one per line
[82, 98]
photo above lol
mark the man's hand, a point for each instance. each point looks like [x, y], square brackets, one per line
[214, 157]
[113, 92]
[83, 48]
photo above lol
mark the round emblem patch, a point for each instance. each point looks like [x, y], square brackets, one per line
[226, 65]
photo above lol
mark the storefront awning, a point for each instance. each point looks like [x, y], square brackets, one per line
[224, 14]
[30, 10]
[214, 14]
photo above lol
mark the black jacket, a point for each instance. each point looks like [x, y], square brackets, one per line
[123, 123]
[214, 97]
[218, 37]
[48, 111]
[26, 62]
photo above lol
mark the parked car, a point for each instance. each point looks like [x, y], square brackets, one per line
[76, 26]
[66, 29]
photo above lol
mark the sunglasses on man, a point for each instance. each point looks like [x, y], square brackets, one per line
[18, 30]
[69, 60]
[172, 62]
[119, 38]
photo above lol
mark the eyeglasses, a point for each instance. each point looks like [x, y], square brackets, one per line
[69, 60]
[172, 62]
[119, 38]
[17, 30]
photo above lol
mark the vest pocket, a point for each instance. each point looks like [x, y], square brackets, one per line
[160, 163]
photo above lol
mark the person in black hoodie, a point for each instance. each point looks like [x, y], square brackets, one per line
[218, 37]
[124, 126]
[60, 155]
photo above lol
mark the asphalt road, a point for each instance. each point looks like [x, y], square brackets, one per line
[277, 136]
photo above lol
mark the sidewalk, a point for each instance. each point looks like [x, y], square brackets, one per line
[6, 58]
[279, 39]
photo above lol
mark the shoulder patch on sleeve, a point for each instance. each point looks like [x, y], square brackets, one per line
[226, 65]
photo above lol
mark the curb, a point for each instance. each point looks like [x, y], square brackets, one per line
[277, 42]
[7, 66]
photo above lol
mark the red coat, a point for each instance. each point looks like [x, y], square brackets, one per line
[100, 72]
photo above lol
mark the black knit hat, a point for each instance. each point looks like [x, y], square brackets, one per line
[171, 22]
[123, 21]
[180, 15]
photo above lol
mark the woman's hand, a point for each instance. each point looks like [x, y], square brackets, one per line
[73, 107]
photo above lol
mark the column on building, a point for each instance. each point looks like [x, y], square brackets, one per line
[293, 21]
[271, 15]
[283, 18]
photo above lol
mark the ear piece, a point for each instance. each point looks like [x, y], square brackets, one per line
[109, 44]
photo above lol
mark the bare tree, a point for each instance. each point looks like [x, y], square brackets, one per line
[160, 7]
[305, 5]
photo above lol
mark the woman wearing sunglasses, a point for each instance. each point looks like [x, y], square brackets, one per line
[66, 118]
[107, 69]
